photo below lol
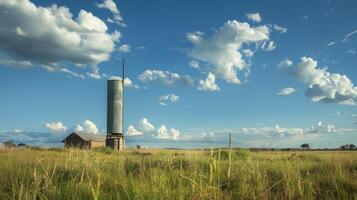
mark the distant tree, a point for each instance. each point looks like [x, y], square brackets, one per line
[22, 145]
[305, 146]
[9, 144]
[138, 146]
[348, 147]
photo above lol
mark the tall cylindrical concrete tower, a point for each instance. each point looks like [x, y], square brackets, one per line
[114, 106]
[115, 136]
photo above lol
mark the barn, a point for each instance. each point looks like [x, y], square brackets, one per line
[84, 140]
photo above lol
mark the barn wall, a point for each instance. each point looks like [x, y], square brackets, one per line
[74, 141]
[97, 144]
[77, 144]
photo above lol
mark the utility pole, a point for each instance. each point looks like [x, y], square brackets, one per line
[230, 140]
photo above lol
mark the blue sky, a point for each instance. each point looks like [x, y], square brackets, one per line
[273, 73]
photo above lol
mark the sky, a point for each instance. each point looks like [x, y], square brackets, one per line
[271, 73]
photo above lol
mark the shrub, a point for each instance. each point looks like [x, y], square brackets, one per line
[9, 144]
[36, 148]
[243, 154]
[221, 154]
[132, 167]
[180, 163]
[105, 150]
[56, 149]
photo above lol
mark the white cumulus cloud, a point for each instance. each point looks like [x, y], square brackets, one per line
[132, 131]
[87, 127]
[146, 126]
[127, 82]
[175, 134]
[322, 128]
[286, 91]
[95, 75]
[54, 36]
[56, 127]
[248, 53]
[194, 64]
[210, 136]
[280, 28]
[112, 7]
[14, 63]
[209, 84]
[149, 132]
[125, 48]
[254, 17]
[279, 131]
[164, 133]
[166, 77]
[165, 99]
[223, 49]
[268, 46]
[324, 87]
[285, 63]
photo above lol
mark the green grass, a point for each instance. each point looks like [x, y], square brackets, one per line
[180, 174]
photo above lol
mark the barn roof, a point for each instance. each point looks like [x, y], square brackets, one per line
[90, 137]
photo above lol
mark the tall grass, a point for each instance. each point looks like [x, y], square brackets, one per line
[168, 174]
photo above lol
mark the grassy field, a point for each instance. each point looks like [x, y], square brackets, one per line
[177, 174]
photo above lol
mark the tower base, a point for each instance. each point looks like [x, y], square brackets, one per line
[115, 141]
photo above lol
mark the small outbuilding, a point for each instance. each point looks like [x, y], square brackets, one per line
[84, 140]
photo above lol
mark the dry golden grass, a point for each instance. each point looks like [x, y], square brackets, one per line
[177, 174]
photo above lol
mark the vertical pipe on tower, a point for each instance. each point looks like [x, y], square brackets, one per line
[122, 102]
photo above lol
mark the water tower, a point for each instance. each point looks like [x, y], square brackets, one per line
[115, 112]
